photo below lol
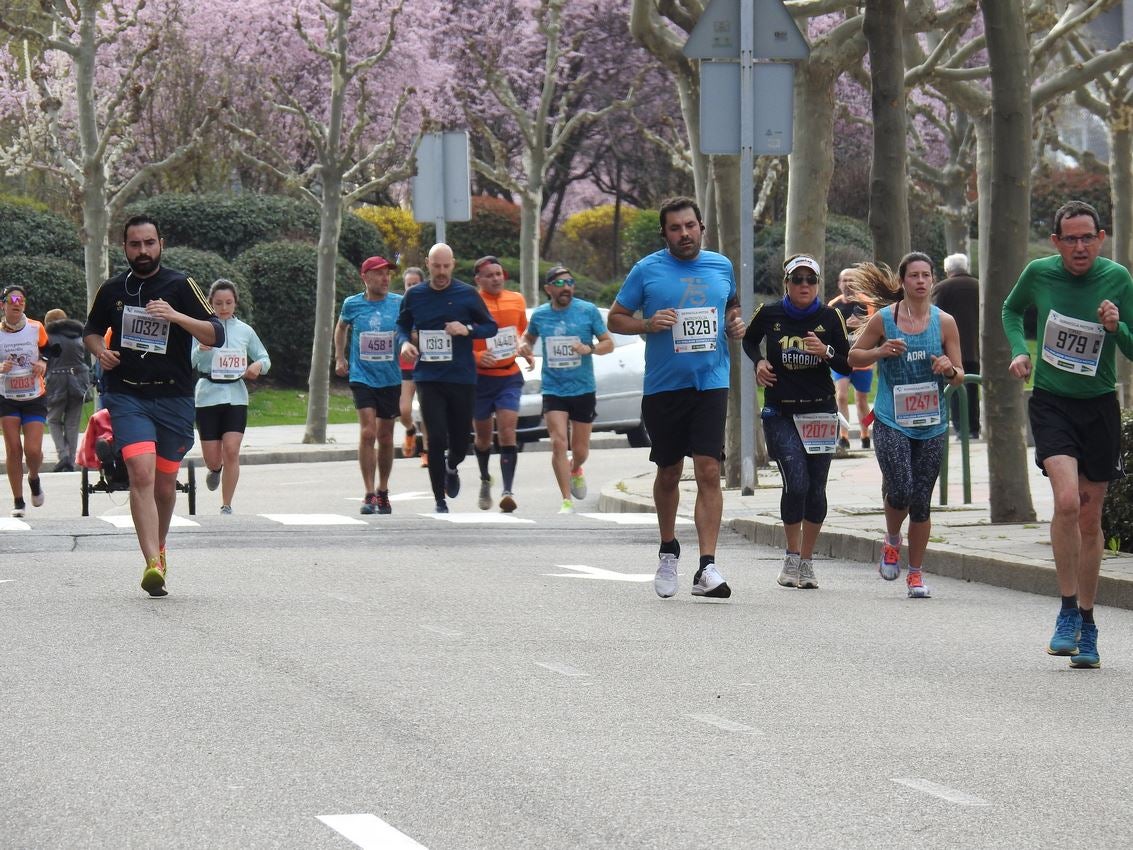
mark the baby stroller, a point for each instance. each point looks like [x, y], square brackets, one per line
[99, 456]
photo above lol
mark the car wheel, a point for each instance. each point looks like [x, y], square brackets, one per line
[638, 437]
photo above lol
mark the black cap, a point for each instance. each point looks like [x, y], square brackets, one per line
[555, 271]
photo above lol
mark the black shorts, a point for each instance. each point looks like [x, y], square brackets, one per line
[1087, 429]
[683, 423]
[216, 420]
[385, 400]
[407, 375]
[28, 409]
[578, 408]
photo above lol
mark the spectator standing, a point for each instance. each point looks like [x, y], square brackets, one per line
[68, 382]
[959, 296]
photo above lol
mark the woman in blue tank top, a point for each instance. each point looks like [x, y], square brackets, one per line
[917, 347]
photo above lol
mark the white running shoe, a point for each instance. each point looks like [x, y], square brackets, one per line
[665, 582]
[37, 497]
[807, 580]
[485, 500]
[789, 575]
[709, 582]
[567, 508]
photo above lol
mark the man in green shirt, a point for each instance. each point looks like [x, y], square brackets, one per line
[1081, 299]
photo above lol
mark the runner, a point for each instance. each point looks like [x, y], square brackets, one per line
[1084, 302]
[568, 326]
[222, 395]
[805, 341]
[409, 446]
[854, 315]
[688, 299]
[499, 383]
[369, 318]
[918, 348]
[23, 402]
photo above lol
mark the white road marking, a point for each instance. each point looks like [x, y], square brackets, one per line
[723, 723]
[370, 832]
[633, 519]
[13, 524]
[127, 521]
[562, 669]
[312, 519]
[960, 798]
[439, 630]
[583, 571]
[6, 580]
[485, 518]
[411, 496]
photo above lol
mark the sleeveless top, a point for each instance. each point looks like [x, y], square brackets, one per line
[912, 367]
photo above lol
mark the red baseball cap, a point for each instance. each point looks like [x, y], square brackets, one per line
[377, 263]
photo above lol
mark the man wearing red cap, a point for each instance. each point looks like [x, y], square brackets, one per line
[369, 320]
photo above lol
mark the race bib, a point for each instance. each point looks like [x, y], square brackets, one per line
[504, 344]
[143, 332]
[20, 385]
[228, 364]
[435, 346]
[818, 431]
[917, 404]
[696, 330]
[375, 346]
[561, 353]
[1072, 345]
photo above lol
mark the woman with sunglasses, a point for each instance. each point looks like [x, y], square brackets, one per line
[23, 402]
[917, 347]
[804, 339]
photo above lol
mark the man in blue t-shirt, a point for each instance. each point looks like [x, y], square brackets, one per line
[568, 327]
[369, 319]
[688, 299]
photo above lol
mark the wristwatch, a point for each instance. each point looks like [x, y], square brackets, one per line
[470, 327]
[829, 352]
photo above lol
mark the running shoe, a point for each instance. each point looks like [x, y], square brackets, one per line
[409, 444]
[789, 575]
[915, 585]
[37, 496]
[424, 460]
[507, 502]
[577, 484]
[226, 510]
[369, 504]
[1087, 656]
[441, 508]
[567, 507]
[384, 507]
[709, 582]
[485, 500]
[1067, 630]
[865, 443]
[19, 509]
[452, 483]
[212, 480]
[807, 579]
[665, 581]
[153, 579]
[162, 558]
[890, 565]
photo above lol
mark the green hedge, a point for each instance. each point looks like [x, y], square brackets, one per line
[31, 232]
[283, 278]
[494, 229]
[50, 281]
[205, 267]
[642, 237]
[848, 241]
[229, 224]
[1117, 511]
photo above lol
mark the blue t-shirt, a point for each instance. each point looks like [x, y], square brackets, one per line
[373, 325]
[580, 319]
[426, 309]
[912, 367]
[706, 282]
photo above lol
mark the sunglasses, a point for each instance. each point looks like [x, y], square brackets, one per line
[14, 298]
[799, 279]
[563, 281]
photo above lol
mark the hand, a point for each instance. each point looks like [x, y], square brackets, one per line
[524, 350]
[39, 368]
[409, 352]
[582, 349]
[530, 362]
[662, 320]
[456, 329]
[108, 359]
[814, 345]
[892, 348]
[1108, 315]
[1020, 366]
[737, 327]
[764, 375]
[341, 367]
[6, 367]
[942, 365]
[487, 359]
[161, 309]
[254, 370]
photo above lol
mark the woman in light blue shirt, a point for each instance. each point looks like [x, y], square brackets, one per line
[221, 395]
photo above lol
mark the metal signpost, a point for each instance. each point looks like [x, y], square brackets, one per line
[441, 190]
[746, 30]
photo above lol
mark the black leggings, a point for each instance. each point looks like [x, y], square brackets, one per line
[804, 475]
[909, 469]
[447, 411]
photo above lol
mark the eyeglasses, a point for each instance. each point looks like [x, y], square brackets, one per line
[1088, 239]
[800, 279]
[563, 281]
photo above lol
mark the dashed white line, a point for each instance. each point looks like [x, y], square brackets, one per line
[561, 669]
[723, 723]
[952, 795]
[370, 832]
[313, 519]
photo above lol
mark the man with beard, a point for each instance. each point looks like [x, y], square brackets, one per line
[438, 322]
[568, 326]
[688, 299]
[153, 314]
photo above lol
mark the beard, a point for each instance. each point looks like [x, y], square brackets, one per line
[144, 265]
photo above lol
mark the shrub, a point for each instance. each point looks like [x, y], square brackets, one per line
[205, 267]
[1117, 510]
[848, 241]
[283, 279]
[1052, 187]
[229, 224]
[399, 231]
[494, 229]
[31, 232]
[51, 282]
[590, 238]
[642, 236]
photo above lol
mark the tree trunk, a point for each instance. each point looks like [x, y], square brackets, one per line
[883, 26]
[726, 185]
[811, 163]
[1121, 186]
[530, 199]
[330, 227]
[95, 191]
[1009, 229]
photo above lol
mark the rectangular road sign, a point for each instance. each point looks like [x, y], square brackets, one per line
[720, 108]
[441, 188]
[717, 32]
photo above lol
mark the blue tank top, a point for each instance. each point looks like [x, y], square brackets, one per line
[913, 367]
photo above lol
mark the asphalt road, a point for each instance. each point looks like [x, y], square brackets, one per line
[414, 681]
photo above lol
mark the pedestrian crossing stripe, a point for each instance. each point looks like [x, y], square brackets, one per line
[313, 519]
[127, 521]
[13, 524]
[633, 519]
[481, 518]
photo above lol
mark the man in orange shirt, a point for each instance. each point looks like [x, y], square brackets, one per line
[499, 383]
